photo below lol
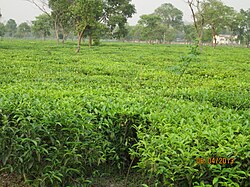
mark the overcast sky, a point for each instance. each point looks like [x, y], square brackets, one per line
[23, 11]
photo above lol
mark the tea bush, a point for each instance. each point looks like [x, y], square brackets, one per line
[65, 118]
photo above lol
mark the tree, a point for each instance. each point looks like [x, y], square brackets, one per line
[23, 30]
[170, 15]
[152, 28]
[90, 14]
[86, 14]
[42, 5]
[171, 19]
[246, 26]
[241, 26]
[162, 25]
[189, 31]
[62, 17]
[170, 35]
[198, 19]
[11, 27]
[134, 32]
[216, 16]
[2, 27]
[41, 26]
[58, 11]
[2, 30]
[116, 14]
[96, 32]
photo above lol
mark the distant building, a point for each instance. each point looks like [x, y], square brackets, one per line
[224, 39]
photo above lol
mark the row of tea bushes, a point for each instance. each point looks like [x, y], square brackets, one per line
[68, 118]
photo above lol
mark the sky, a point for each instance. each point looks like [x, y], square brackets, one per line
[23, 11]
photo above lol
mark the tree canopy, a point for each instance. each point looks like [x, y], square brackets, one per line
[88, 16]
[23, 30]
[162, 25]
[42, 26]
[2, 29]
[216, 16]
[170, 15]
[97, 18]
[241, 26]
[11, 27]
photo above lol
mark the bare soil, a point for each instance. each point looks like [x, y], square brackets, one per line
[11, 180]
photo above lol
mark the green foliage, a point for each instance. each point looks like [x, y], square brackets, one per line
[2, 30]
[42, 25]
[216, 15]
[23, 30]
[86, 13]
[66, 117]
[161, 26]
[241, 26]
[62, 17]
[190, 34]
[11, 27]
[170, 16]
[117, 13]
[152, 30]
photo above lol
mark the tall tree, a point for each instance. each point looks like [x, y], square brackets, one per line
[171, 19]
[86, 14]
[2, 27]
[198, 18]
[189, 31]
[216, 16]
[170, 15]
[152, 28]
[11, 27]
[62, 17]
[134, 32]
[2, 30]
[116, 14]
[241, 26]
[56, 15]
[42, 25]
[23, 30]
[90, 14]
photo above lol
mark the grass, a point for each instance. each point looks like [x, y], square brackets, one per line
[110, 104]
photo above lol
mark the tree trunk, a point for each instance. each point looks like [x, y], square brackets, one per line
[90, 40]
[214, 41]
[63, 36]
[198, 27]
[80, 34]
[248, 43]
[214, 38]
[56, 32]
[63, 39]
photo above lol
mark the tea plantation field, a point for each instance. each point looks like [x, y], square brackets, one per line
[122, 109]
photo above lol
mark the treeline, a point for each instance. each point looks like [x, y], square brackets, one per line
[210, 19]
[98, 19]
[24, 30]
[81, 18]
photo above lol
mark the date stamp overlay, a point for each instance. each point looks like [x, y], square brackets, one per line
[214, 160]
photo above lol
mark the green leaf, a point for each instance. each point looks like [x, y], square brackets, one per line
[215, 180]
